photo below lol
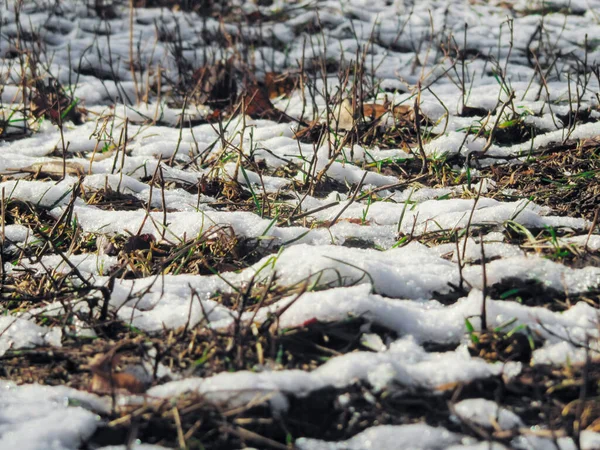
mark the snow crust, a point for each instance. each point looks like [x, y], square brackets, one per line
[487, 414]
[391, 283]
[17, 333]
[34, 417]
[405, 362]
[388, 437]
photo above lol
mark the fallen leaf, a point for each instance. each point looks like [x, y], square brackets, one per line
[106, 380]
[343, 116]
[374, 111]
[309, 322]
[354, 220]
[52, 169]
[215, 84]
[279, 84]
[446, 387]
[312, 133]
[111, 382]
[403, 112]
[256, 103]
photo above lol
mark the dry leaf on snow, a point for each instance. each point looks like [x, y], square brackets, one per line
[52, 169]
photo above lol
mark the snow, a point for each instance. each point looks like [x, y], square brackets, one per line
[444, 215]
[388, 437]
[17, 333]
[84, 263]
[54, 430]
[429, 321]
[38, 192]
[405, 277]
[487, 414]
[588, 441]
[35, 417]
[549, 273]
[133, 447]
[478, 446]
[405, 362]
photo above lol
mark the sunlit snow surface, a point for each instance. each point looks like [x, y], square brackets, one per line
[396, 287]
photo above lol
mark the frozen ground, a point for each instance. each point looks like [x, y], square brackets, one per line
[300, 279]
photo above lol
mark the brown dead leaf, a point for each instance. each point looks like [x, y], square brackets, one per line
[447, 387]
[107, 383]
[512, 179]
[107, 380]
[354, 220]
[403, 112]
[52, 169]
[312, 133]
[256, 103]
[279, 84]
[373, 111]
[215, 84]
[594, 426]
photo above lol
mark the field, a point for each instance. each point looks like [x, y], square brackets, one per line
[313, 225]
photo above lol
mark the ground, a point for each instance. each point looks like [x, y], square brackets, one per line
[292, 224]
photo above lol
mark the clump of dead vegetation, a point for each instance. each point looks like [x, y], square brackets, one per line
[115, 358]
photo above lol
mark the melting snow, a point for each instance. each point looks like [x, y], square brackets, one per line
[394, 288]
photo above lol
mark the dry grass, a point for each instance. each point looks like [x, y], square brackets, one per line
[563, 177]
